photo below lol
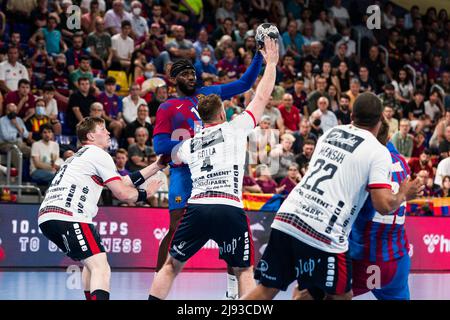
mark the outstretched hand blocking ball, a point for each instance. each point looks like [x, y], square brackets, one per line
[266, 29]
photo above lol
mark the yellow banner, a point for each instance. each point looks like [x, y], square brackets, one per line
[424, 4]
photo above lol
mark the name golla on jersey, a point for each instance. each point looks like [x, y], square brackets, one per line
[216, 159]
[76, 188]
[321, 209]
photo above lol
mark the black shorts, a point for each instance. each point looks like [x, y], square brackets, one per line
[287, 259]
[227, 225]
[77, 240]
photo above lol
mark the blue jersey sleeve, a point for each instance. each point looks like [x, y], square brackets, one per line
[226, 91]
[162, 144]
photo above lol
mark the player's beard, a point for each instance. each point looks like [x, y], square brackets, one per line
[185, 89]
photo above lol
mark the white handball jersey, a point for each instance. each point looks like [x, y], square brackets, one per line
[216, 158]
[76, 188]
[321, 209]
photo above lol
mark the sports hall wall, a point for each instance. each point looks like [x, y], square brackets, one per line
[131, 237]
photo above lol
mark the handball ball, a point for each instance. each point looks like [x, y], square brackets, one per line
[266, 29]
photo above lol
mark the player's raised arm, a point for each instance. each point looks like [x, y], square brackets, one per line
[229, 90]
[267, 83]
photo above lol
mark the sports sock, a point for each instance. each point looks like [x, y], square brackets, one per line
[232, 287]
[100, 295]
[87, 294]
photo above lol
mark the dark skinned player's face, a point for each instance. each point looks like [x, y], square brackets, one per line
[186, 81]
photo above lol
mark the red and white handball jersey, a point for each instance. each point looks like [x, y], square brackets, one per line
[76, 188]
[216, 159]
[320, 211]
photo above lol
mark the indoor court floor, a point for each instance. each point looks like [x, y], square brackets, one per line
[56, 284]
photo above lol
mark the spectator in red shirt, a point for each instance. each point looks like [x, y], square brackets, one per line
[292, 178]
[250, 185]
[265, 181]
[290, 114]
[299, 94]
[23, 99]
[421, 163]
[418, 144]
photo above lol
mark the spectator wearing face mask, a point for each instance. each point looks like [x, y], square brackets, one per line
[139, 25]
[58, 77]
[39, 119]
[204, 67]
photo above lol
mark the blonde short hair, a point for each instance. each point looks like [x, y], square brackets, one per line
[288, 136]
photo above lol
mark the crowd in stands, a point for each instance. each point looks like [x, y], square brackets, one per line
[115, 63]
